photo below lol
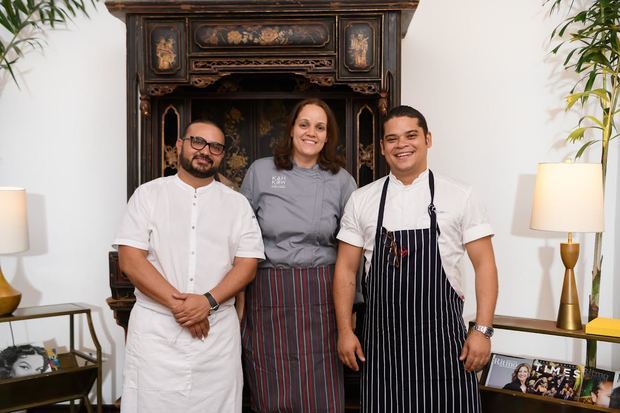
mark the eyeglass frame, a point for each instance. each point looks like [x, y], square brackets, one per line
[211, 144]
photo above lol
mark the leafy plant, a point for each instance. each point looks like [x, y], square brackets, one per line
[590, 36]
[25, 21]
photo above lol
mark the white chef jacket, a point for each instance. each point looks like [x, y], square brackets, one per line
[460, 217]
[192, 235]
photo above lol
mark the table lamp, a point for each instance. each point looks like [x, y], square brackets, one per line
[568, 197]
[13, 239]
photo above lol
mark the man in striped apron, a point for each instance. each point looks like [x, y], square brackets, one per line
[414, 227]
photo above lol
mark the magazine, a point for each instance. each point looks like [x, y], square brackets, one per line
[597, 386]
[23, 360]
[555, 379]
[614, 399]
[508, 372]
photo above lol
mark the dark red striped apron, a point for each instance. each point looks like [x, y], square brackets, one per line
[289, 342]
[413, 326]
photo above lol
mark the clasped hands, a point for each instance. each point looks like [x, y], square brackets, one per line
[192, 311]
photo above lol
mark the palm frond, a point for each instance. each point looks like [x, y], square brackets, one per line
[25, 22]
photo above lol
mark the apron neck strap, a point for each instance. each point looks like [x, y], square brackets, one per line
[431, 207]
[382, 207]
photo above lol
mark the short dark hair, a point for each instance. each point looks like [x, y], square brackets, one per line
[409, 112]
[204, 121]
[328, 157]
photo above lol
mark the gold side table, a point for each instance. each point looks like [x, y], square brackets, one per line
[73, 381]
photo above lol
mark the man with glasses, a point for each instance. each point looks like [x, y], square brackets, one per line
[189, 244]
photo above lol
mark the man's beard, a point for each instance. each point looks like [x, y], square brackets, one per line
[186, 164]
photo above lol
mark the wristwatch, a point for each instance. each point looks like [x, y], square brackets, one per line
[487, 331]
[212, 302]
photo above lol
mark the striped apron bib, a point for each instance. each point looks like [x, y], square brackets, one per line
[289, 342]
[413, 326]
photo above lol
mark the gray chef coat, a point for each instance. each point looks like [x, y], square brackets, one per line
[298, 211]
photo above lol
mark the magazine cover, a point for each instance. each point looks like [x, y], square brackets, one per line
[23, 360]
[597, 386]
[508, 372]
[555, 379]
[614, 399]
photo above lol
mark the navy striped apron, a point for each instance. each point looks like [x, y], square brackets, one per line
[413, 327]
[289, 342]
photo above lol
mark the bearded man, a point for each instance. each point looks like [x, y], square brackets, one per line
[189, 244]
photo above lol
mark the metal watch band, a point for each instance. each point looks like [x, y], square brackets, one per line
[212, 301]
[487, 331]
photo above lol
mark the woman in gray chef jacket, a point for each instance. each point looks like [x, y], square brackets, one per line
[289, 329]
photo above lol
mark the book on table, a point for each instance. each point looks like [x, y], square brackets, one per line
[604, 327]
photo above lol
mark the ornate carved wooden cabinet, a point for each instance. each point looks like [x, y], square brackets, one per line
[244, 64]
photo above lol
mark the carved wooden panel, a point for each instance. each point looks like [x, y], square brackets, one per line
[365, 127]
[170, 130]
[166, 50]
[217, 64]
[255, 35]
[360, 49]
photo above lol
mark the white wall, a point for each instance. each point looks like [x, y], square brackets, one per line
[62, 137]
[479, 70]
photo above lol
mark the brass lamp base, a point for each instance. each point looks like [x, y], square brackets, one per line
[9, 296]
[569, 315]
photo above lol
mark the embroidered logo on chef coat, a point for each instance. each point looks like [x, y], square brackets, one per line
[278, 181]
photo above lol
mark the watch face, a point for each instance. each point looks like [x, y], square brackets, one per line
[487, 331]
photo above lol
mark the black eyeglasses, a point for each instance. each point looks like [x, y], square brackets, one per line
[198, 143]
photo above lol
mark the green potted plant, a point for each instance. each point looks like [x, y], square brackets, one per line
[589, 36]
[25, 20]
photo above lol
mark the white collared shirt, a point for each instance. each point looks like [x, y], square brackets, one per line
[460, 217]
[192, 235]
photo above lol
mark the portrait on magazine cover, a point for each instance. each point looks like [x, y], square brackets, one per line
[597, 386]
[614, 398]
[508, 372]
[23, 360]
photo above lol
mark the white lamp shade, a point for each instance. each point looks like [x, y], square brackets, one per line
[13, 220]
[568, 197]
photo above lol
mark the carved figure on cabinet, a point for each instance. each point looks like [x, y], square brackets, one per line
[170, 160]
[166, 56]
[359, 48]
